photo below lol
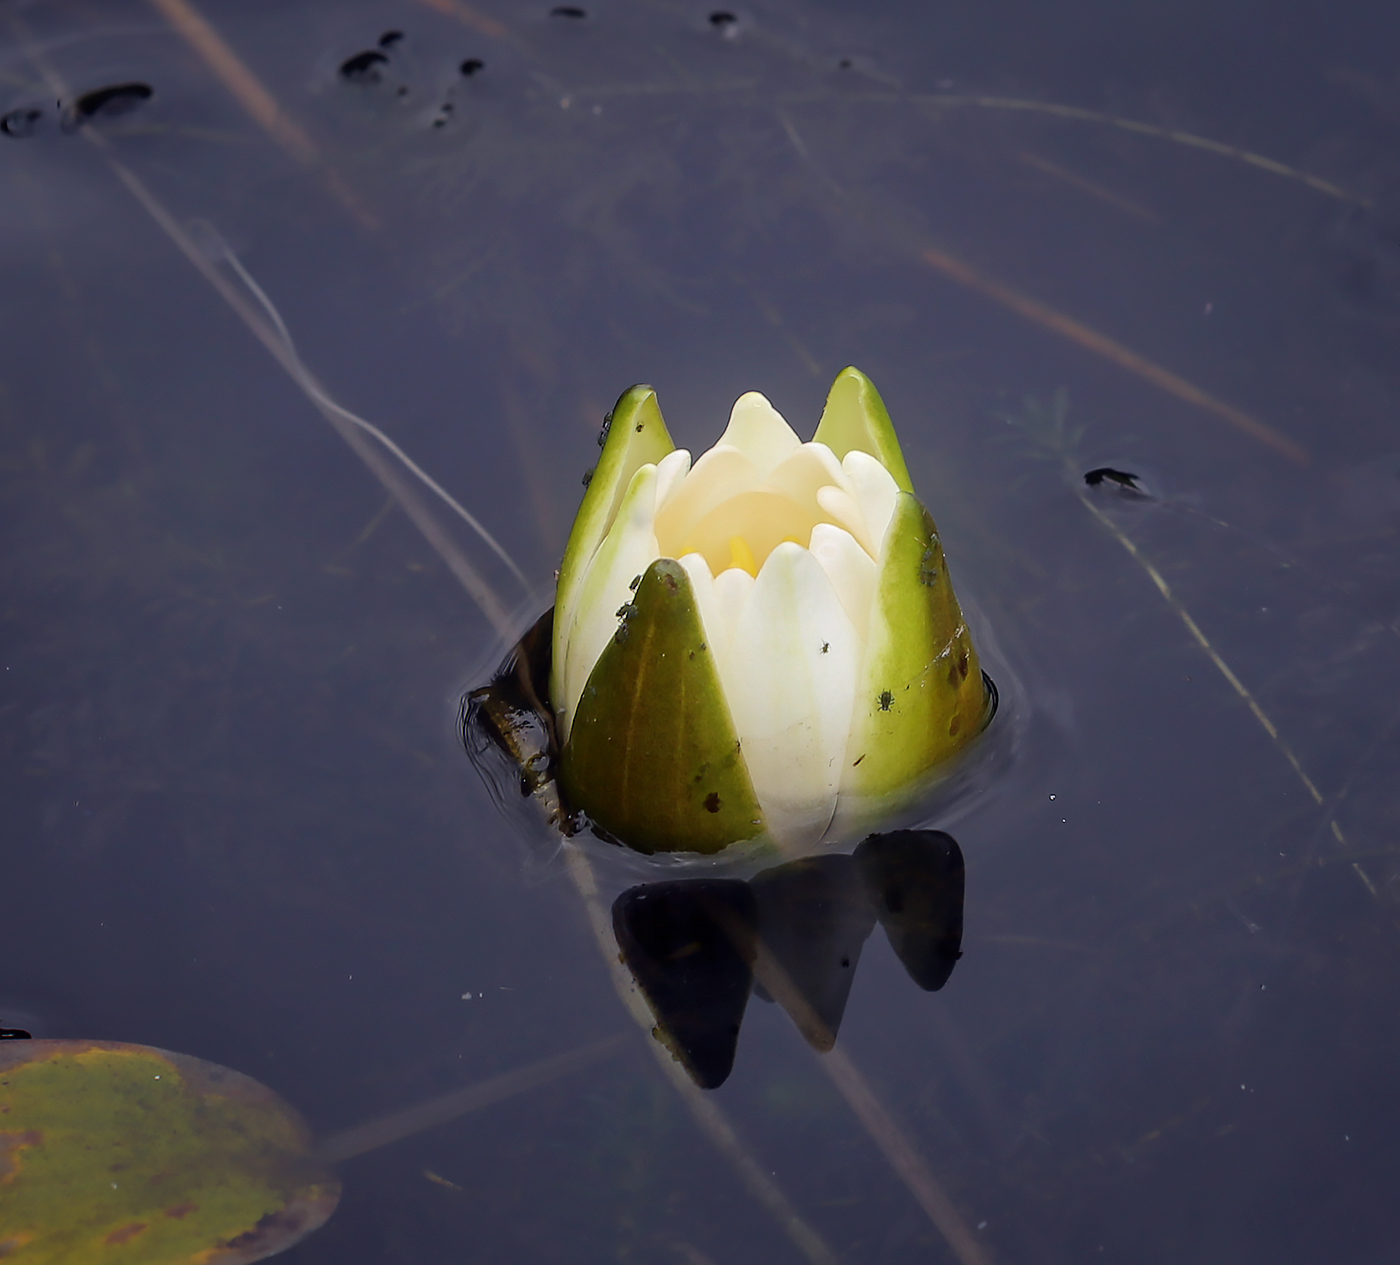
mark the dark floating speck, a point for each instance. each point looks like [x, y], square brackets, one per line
[721, 18]
[845, 63]
[390, 38]
[444, 113]
[1119, 478]
[363, 67]
[471, 66]
[568, 11]
[22, 121]
[109, 103]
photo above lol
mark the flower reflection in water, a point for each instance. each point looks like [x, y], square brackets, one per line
[793, 934]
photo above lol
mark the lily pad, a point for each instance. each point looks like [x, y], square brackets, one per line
[135, 1156]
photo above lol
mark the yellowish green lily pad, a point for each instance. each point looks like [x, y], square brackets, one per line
[130, 1155]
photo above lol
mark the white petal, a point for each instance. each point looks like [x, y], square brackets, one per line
[745, 529]
[671, 472]
[811, 467]
[758, 430]
[712, 619]
[721, 473]
[627, 551]
[732, 588]
[851, 571]
[790, 678]
[874, 489]
[845, 510]
[719, 600]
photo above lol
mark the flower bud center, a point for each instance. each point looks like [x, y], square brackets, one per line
[744, 529]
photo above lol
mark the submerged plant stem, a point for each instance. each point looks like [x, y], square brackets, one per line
[707, 1114]
[402, 1124]
[257, 101]
[276, 338]
[346, 423]
[1197, 635]
[1110, 349]
[893, 1143]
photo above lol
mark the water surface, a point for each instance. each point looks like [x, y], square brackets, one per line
[240, 823]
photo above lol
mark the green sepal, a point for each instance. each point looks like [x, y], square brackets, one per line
[921, 697]
[652, 757]
[636, 436]
[855, 417]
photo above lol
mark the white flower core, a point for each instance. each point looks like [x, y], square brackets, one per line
[782, 544]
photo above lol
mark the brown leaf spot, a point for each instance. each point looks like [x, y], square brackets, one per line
[11, 1144]
[30, 1137]
[281, 1227]
[712, 802]
[126, 1232]
[182, 1210]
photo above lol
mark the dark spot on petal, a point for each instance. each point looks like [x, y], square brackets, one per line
[712, 802]
[639, 427]
[109, 103]
[587, 477]
[390, 38]
[962, 664]
[363, 67]
[928, 566]
[22, 121]
[826, 646]
[607, 426]
[858, 759]
[471, 66]
[886, 700]
[954, 725]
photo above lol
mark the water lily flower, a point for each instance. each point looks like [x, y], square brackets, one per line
[762, 644]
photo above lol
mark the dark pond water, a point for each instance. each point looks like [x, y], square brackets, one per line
[238, 819]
